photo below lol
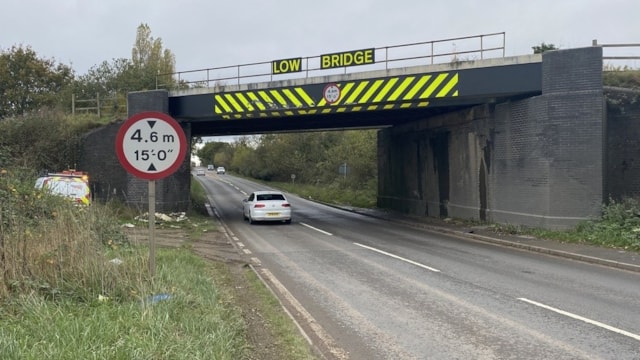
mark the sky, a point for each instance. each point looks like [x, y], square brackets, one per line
[215, 33]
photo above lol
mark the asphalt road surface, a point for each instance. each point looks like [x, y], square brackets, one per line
[363, 288]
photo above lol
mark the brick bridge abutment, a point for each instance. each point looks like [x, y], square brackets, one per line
[534, 162]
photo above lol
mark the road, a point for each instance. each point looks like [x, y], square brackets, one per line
[362, 288]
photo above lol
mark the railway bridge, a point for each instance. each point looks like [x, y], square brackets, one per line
[516, 140]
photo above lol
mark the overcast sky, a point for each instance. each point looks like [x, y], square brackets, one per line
[214, 33]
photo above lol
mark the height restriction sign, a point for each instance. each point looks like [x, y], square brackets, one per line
[151, 145]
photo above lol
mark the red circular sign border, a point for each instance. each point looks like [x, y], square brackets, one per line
[325, 89]
[147, 115]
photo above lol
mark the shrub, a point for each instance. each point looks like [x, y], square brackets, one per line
[52, 247]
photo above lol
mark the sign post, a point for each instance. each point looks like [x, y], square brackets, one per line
[151, 145]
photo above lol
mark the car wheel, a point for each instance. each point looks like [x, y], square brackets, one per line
[251, 221]
[287, 221]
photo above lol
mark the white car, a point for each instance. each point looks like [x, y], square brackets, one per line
[221, 170]
[266, 206]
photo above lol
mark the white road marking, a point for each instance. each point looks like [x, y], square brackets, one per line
[316, 229]
[246, 251]
[327, 340]
[578, 317]
[399, 258]
[240, 244]
[256, 261]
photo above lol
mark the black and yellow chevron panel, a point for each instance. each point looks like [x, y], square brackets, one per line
[401, 92]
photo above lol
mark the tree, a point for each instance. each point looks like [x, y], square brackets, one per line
[208, 152]
[148, 59]
[106, 78]
[539, 49]
[121, 76]
[29, 83]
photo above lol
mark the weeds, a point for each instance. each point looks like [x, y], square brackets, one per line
[72, 287]
[619, 227]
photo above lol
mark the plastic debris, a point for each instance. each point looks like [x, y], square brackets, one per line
[173, 217]
[157, 298]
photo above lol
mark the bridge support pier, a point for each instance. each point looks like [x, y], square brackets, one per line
[109, 180]
[534, 162]
[173, 192]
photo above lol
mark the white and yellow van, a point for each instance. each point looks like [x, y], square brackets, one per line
[71, 184]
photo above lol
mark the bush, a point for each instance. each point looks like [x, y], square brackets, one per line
[52, 247]
[619, 226]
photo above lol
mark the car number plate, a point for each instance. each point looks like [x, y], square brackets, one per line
[273, 213]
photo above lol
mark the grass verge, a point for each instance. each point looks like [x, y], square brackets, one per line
[196, 321]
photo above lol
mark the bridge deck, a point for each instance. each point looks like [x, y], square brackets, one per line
[357, 100]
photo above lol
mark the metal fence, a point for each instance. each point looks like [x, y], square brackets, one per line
[627, 55]
[475, 47]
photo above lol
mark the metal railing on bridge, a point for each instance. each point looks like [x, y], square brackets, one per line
[628, 55]
[458, 49]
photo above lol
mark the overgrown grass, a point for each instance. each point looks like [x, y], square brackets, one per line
[619, 228]
[621, 77]
[73, 287]
[195, 322]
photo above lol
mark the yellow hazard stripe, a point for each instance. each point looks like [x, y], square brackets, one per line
[433, 86]
[414, 90]
[225, 106]
[401, 88]
[352, 98]
[276, 95]
[398, 92]
[445, 90]
[246, 103]
[381, 95]
[289, 94]
[256, 101]
[233, 102]
[304, 96]
[369, 93]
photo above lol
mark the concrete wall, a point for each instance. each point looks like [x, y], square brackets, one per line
[535, 162]
[109, 180]
[622, 176]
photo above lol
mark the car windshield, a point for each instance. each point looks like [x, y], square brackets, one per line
[265, 197]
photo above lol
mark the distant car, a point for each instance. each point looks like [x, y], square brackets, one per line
[200, 172]
[210, 167]
[221, 170]
[266, 206]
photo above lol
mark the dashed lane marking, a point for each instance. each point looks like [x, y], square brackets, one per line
[578, 317]
[398, 257]
[316, 229]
